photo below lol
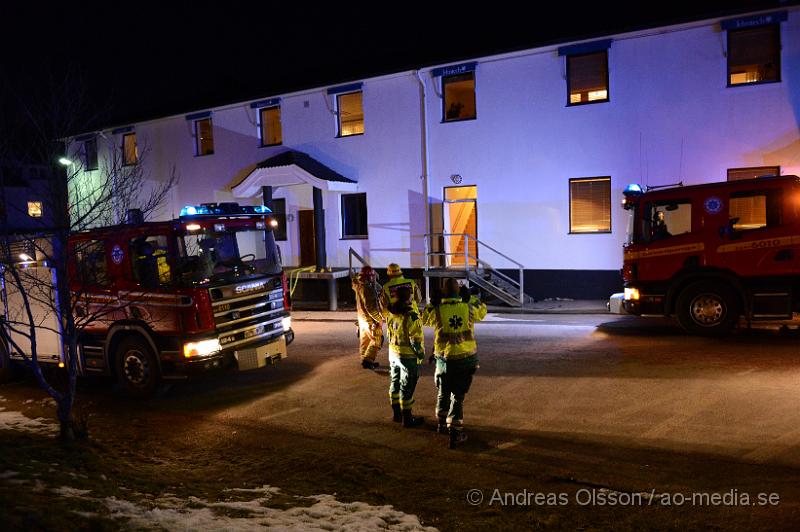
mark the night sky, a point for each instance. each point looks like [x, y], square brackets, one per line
[140, 60]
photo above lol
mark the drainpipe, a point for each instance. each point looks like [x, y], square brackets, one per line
[424, 155]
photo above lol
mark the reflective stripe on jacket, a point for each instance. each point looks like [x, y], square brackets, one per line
[389, 293]
[453, 322]
[404, 330]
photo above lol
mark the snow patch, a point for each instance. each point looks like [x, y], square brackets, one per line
[66, 491]
[325, 514]
[10, 420]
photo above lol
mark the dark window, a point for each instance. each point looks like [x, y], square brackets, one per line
[130, 153]
[350, 110]
[90, 257]
[587, 78]
[755, 209]
[149, 258]
[590, 205]
[90, 154]
[204, 137]
[754, 55]
[270, 126]
[737, 174]
[459, 97]
[354, 215]
[279, 215]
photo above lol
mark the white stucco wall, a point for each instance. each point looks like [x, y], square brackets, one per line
[670, 118]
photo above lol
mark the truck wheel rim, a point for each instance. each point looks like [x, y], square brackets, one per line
[707, 310]
[135, 367]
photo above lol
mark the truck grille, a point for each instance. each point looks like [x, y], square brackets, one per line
[248, 312]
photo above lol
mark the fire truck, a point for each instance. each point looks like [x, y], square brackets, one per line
[165, 300]
[712, 254]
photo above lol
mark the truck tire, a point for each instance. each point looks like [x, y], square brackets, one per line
[138, 372]
[708, 308]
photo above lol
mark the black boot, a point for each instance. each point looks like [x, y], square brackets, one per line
[398, 414]
[368, 364]
[456, 436]
[410, 420]
[441, 428]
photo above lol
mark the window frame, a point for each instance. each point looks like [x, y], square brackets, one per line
[772, 197]
[135, 149]
[87, 166]
[197, 137]
[345, 236]
[778, 67]
[261, 111]
[728, 173]
[443, 80]
[607, 80]
[339, 115]
[35, 203]
[610, 206]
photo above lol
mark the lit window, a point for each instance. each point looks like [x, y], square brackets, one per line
[35, 209]
[270, 126]
[590, 205]
[668, 218]
[754, 55]
[755, 209]
[459, 97]
[587, 77]
[90, 154]
[350, 110]
[130, 153]
[204, 137]
[751, 172]
[354, 215]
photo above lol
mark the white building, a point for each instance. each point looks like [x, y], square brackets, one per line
[544, 140]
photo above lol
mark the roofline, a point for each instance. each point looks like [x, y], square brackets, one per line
[549, 48]
[739, 182]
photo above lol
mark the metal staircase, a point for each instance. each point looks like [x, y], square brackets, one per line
[475, 270]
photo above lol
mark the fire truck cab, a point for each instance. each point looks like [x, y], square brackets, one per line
[710, 254]
[164, 300]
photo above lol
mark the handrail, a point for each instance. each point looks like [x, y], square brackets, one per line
[354, 253]
[468, 258]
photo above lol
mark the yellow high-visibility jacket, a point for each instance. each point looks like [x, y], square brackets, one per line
[405, 331]
[453, 322]
[367, 303]
[388, 294]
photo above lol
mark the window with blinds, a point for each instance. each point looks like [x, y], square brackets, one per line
[204, 137]
[350, 110]
[754, 55]
[754, 210]
[751, 172]
[270, 125]
[587, 78]
[590, 205]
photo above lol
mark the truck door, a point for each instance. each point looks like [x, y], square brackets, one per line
[756, 241]
[667, 229]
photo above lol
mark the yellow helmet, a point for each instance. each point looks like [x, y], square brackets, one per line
[394, 270]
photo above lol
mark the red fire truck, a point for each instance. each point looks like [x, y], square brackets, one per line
[169, 299]
[711, 254]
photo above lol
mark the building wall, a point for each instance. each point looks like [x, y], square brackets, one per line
[670, 118]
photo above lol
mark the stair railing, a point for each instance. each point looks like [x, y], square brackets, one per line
[354, 254]
[518, 284]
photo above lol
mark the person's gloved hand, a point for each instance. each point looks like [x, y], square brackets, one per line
[465, 294]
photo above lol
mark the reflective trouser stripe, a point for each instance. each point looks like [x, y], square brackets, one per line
[394, 398]
[404, 374]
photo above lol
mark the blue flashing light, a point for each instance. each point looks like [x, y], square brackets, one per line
[189, 211]
[223, 209]
[633, 188]
[261, 209]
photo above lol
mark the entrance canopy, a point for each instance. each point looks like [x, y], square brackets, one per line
[292, 168]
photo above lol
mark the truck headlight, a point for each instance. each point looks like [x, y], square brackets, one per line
[631, 294]
[287, 323]
[200, 349]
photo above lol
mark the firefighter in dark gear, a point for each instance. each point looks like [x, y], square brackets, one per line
[396, 280]
[406, 352]
[370, 321]
[455, 353]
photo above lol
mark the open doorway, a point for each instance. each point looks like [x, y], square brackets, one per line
[460, 219]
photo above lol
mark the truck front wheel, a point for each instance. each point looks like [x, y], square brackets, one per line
[138, 372]
[708, 308]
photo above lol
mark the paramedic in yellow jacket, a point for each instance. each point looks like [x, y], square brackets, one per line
[370, 321]
[406, 352]
[396, 280]
[456, 354]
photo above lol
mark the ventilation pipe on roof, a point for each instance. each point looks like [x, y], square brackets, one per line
[423, 96]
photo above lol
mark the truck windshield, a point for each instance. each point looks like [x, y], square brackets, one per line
[207, 256]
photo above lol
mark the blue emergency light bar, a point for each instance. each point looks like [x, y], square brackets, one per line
[222, 209]
[633, 189]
